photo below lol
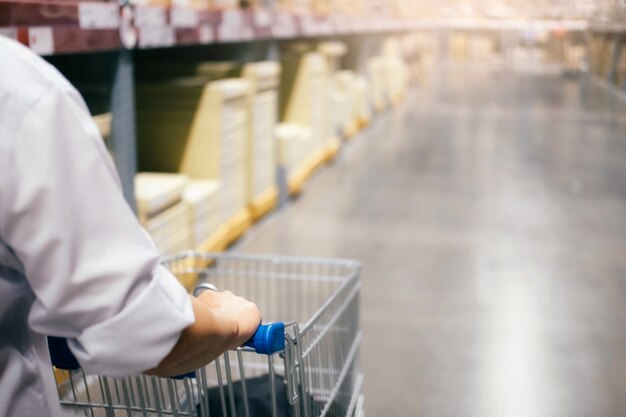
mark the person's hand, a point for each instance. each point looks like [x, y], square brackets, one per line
[244, 314]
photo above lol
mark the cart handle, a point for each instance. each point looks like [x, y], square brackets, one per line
[267, 340]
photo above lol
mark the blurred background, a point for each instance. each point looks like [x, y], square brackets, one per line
[470, 153]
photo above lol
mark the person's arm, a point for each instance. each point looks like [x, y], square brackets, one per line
[94, 272]
[223, 321]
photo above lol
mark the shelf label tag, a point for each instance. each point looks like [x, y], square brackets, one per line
[284, 26]
[230, 28]
[262, 18]
[205, 33]
[41, 40]
[181, 17]
[150, 16]
[156, 36]
[98, 15]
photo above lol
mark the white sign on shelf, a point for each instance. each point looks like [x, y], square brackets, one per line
[284, 26]
[205, 33]
[262, 18]
[182, 17]
[150, 16]
[156, 36]
[230, 28]
[307, 24]
[41, 40]
[98, 15]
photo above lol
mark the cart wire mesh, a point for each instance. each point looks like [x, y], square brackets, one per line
[317, 374]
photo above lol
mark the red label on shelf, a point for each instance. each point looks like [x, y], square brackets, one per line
[98, 15]
[41, 40]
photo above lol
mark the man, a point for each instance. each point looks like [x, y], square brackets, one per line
[74, 261]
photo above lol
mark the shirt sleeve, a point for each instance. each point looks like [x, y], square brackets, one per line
[94, 272]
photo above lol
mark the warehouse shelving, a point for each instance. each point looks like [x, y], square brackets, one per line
[67, 28]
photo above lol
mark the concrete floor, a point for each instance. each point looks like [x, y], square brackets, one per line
[490, 214]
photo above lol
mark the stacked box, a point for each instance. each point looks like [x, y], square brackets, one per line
[345, 82]
[202, 198]
[170, 115]
[378, 82]
[394, 69]
[304, 94]
[362, 101]
[293, 142]
[332, 51]
[219, 153]
[197, 128]
[162, 212]
[338, 98]
[264, 79]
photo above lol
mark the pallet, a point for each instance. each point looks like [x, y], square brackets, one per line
[264, 203]
[236, 226]
[363, 122]
[297, 179]
[231, 230]
[332, 149]
[351, 129]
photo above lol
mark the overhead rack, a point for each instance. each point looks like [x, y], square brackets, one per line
[70, 27]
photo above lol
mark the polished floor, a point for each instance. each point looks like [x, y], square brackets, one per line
[489, 211]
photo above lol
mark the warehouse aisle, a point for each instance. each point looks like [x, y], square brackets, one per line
[490, 214]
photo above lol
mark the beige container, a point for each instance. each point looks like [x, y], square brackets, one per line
[178, 242]
[264, 79]
[378, 82]
[202, 198]
[397, 79]
[293, 144]
[332, 51]
[154, 192]
[362, 101]
[345, 83]
[218, 150]
[306, 99]
[170, 222]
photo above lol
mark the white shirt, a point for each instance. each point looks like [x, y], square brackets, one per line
[74, 261]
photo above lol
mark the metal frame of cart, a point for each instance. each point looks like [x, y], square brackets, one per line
[316, 375]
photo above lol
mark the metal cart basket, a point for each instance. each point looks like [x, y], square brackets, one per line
[315, 374]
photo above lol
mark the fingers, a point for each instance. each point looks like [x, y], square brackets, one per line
[232, 307]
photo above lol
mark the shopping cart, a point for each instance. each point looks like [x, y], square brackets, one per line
[314, 373]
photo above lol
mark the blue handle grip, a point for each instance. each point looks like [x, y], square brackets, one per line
[268, 339]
